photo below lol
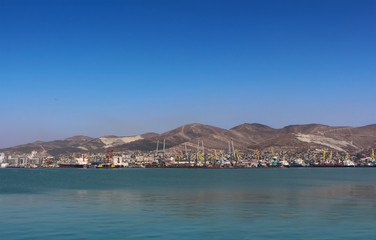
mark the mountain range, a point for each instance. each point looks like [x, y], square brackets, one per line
[245, 137]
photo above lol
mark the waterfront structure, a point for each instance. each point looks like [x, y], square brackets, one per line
[195, 158]
[2, 157]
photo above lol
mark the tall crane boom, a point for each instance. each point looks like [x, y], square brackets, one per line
[186, 153]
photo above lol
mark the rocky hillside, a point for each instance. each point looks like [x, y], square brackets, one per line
[246, 137]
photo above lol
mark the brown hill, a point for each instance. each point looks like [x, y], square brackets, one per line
[254, 133]
[246, 137]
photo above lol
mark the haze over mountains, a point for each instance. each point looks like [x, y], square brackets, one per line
[246, 137]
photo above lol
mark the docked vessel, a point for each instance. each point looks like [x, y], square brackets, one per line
[298, 163]
[72, 165]
[329, 164]
[78, 163]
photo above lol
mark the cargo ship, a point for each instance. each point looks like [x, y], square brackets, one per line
[78, 163]
[328, 164]
[72, 165]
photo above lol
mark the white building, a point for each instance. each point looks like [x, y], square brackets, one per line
[121, 161]
[33, 154]
[2, 157]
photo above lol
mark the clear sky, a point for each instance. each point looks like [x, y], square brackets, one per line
[128, 67]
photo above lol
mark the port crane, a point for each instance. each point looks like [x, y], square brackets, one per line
[186, 153]
[201, 158]
[216, 156]
[233, 152]
[158, 153]
[200, 155]
[203, 152]
[237, 157]
[109, 157]
[197, 153]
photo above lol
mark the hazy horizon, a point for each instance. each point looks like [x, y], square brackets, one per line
[124, 68]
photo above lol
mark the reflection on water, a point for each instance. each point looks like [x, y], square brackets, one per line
[347, 191]
[140, 205]
[190, 204]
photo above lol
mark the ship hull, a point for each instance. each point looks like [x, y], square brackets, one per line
[72, 166]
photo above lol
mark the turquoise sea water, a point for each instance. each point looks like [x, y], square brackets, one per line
[336, 203]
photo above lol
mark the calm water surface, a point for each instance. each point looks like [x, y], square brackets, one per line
[188, 203]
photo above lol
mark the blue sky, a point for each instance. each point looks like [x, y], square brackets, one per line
[128, 67]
